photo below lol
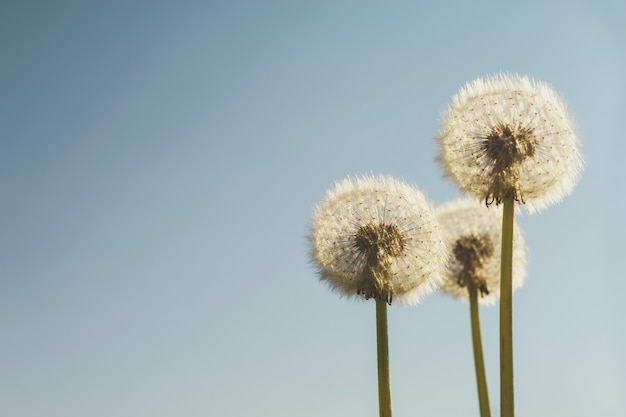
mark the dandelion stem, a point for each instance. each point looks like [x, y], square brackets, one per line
[479, 362]
[382, 339]
[506, 310]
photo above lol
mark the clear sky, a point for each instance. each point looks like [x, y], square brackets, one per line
[159, 163]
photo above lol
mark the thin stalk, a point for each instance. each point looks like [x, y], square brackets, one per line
[382, 341]
[506, 311]
[479, 362]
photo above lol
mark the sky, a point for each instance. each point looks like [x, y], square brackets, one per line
[159, 165]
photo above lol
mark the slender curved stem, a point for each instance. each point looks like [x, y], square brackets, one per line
[382, 341]
[479, 362]
[506, 311]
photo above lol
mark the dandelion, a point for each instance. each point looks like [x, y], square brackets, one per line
[473, 236]
[473, 233]
[508, 139]
[509, 135]
[377, 237]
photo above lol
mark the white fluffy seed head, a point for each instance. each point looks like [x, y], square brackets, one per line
[377, 237]
[467, 220]
[508, 135]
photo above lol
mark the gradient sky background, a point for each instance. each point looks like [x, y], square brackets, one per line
[159, 164]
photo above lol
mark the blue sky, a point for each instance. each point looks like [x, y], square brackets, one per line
[159, 164]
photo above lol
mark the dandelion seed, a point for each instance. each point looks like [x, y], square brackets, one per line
[474, 236]
[510, 136]
[377, 237]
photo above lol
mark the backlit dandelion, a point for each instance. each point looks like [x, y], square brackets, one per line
[508, 135]
[473, 233]
[377, 237]
[474, 236]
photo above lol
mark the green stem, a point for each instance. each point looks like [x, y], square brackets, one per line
[479, 363]
[506, 311]
[382, 341]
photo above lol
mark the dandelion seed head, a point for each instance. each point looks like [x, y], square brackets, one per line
[377, 237]
[474, 235]
[510, 136]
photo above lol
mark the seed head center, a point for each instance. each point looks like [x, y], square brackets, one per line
[472, 251]
[507, 146]
[379, 242]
